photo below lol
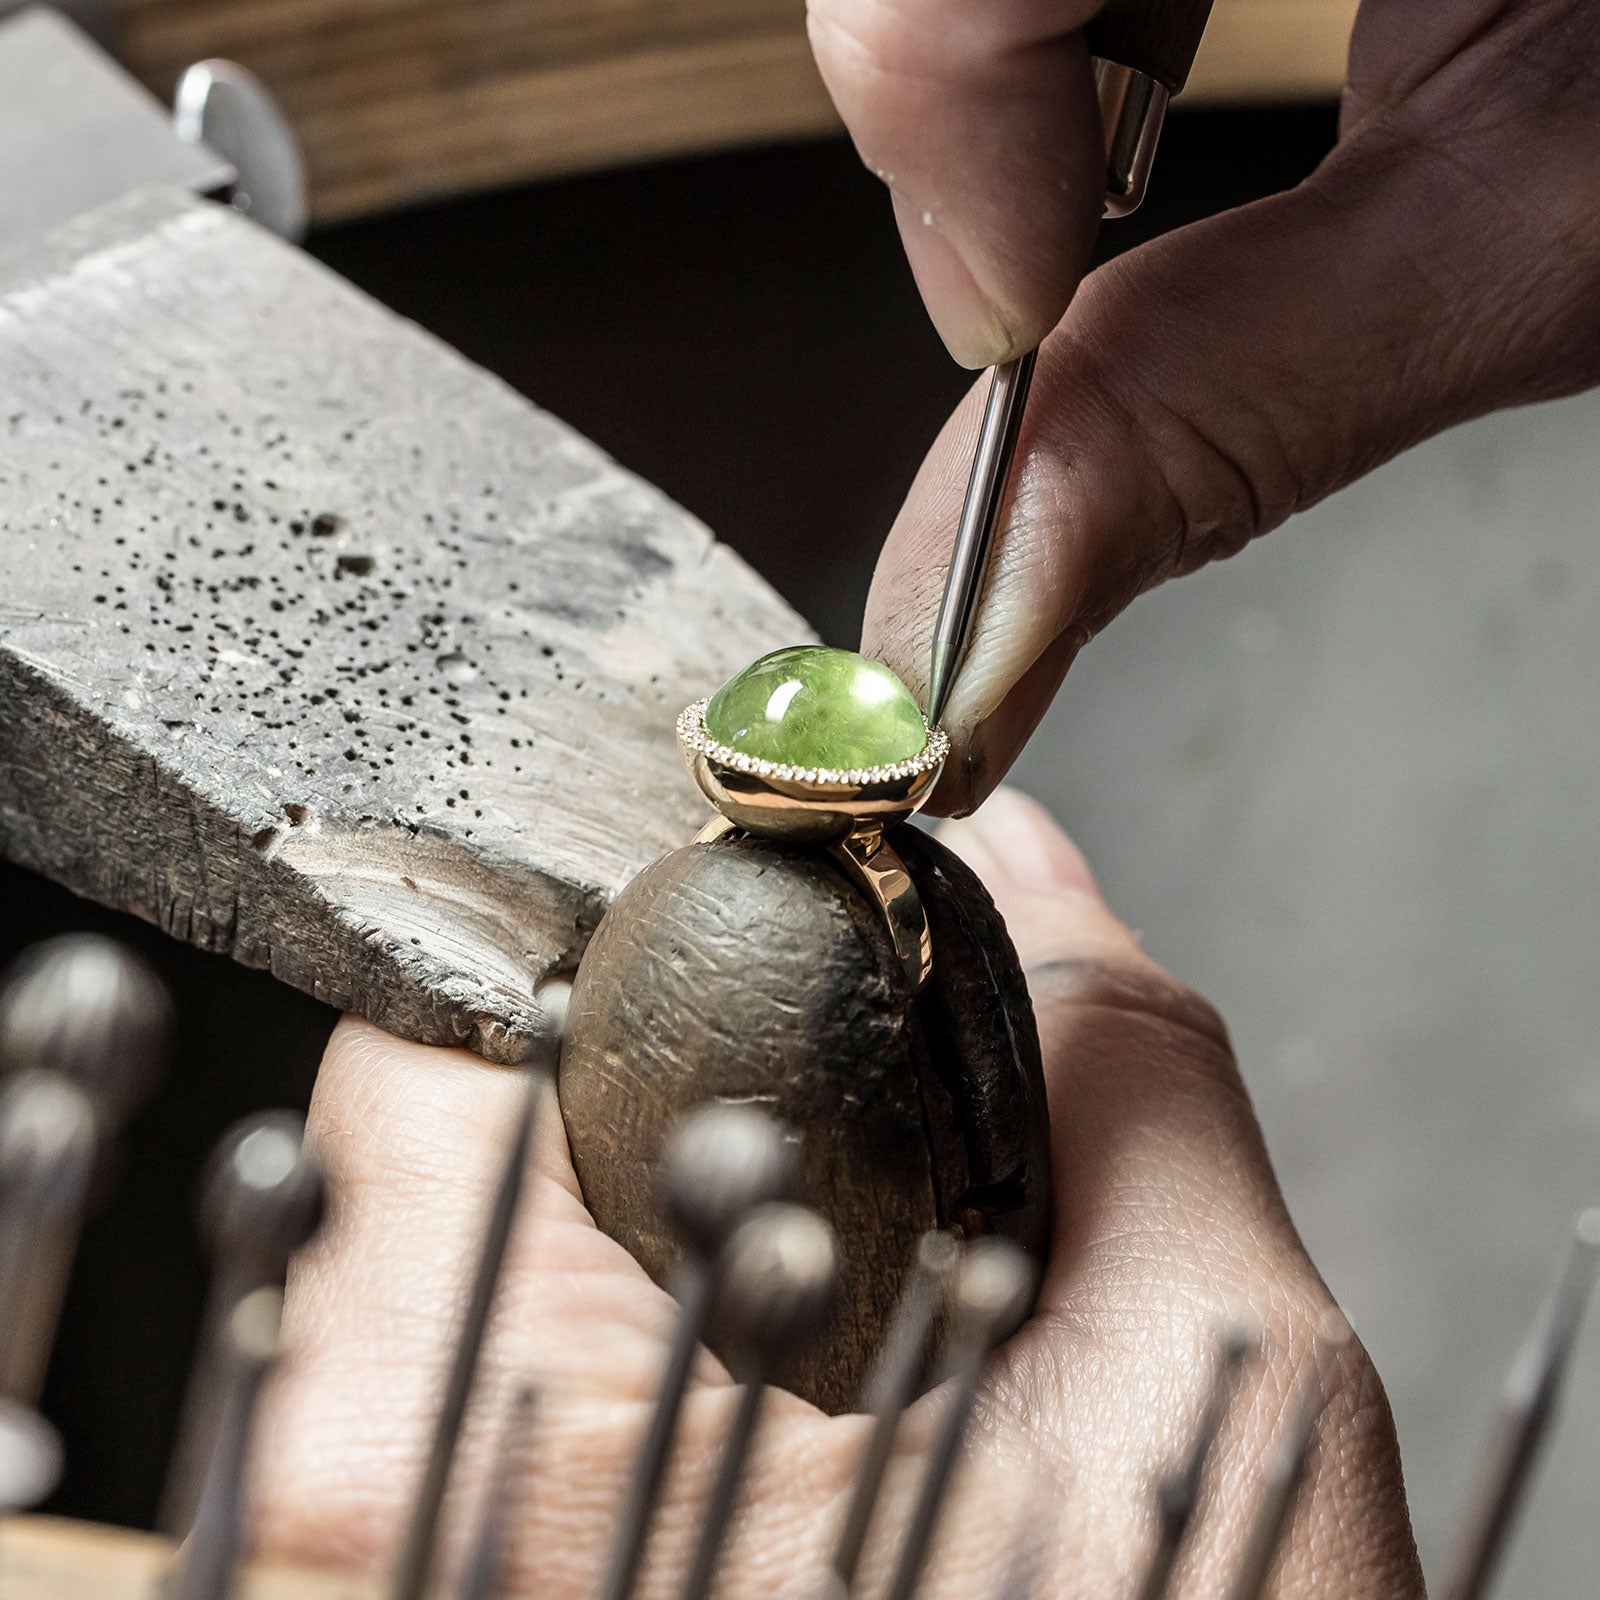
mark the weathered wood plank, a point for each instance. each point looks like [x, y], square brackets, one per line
[398, 102]
[47, 1558]
[319, 645]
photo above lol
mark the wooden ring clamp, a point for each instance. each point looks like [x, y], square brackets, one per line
[844, 811]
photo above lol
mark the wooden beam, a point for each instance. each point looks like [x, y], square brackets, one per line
[319, 645]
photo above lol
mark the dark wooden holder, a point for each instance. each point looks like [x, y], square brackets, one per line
[756, 972]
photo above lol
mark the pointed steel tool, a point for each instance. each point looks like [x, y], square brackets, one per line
[990, 1291]
[1179, 1491]
[208, 1563]
[890, 1389]
[779, 1272]
[1284, 1470]
[1143, 50]
[414, 1569]
[263, 1198]
[484, 1574]
[1528, 1405]
[722, 1163]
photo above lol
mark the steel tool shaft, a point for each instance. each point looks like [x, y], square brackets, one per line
[779, 1272]
[891, 1388]
[991, 1287]
[1528, 1404]
[484, 1575]
[722, 1163]
[980, 519]
[413, 1572]
[252, 1344]
[1133, 102]
[1179, 1491]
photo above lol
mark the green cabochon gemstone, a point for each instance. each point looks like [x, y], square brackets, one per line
[809, 706]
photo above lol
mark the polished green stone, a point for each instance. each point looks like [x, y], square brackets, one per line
[809, 706]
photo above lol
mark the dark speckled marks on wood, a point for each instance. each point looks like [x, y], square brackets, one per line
[410, 647]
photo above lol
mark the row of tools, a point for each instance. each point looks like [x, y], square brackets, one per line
[83, 1026]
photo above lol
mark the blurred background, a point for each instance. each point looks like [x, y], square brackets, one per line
[1346, 786]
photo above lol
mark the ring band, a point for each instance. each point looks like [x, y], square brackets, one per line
[874, 866]
[846, 812]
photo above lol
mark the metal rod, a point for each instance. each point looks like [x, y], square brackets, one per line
[263, 1198]
[208, 1563]
[1284, 1470]
[415, 1566]
[49, 1142]
[1178, 1492]
[724, 1496]
[1528, 1403]
[778, 1280]
[980, 518]
[721, 1163]
[890, 1388]
[484, 1575]
[992, 1285]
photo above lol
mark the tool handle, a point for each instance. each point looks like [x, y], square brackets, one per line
[1156, 37]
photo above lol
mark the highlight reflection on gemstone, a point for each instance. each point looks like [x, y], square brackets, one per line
[811, 706]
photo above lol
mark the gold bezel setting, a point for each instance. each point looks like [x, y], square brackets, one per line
[692, 735]
[816, 804]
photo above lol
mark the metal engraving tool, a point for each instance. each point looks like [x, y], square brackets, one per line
[263, 1197]
[1528, 1403]
[1143, 50]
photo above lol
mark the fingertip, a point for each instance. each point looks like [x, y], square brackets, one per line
[1041, 884]
[980, 327]
[1024, 843]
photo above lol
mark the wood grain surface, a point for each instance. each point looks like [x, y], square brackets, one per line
[48, 1558]
[321, 647]
[399, 100]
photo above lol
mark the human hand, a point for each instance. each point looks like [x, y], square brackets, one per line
[1169, 1224]
[1443, 261]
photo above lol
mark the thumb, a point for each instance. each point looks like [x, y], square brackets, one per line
[1202, 388]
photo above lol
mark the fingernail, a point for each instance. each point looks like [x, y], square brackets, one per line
[1025, 841]
[974, 328]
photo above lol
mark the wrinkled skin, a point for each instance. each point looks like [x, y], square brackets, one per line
[1443, 261]
[1169, 1223]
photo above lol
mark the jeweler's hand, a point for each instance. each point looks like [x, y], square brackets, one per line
[1443, 261]
[1169, 1223]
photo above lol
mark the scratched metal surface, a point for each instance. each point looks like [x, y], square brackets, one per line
[1349, 787]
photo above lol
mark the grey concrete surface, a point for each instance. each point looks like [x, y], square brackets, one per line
[1348, 787]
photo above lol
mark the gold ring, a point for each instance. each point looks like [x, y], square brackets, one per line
[845, 811]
